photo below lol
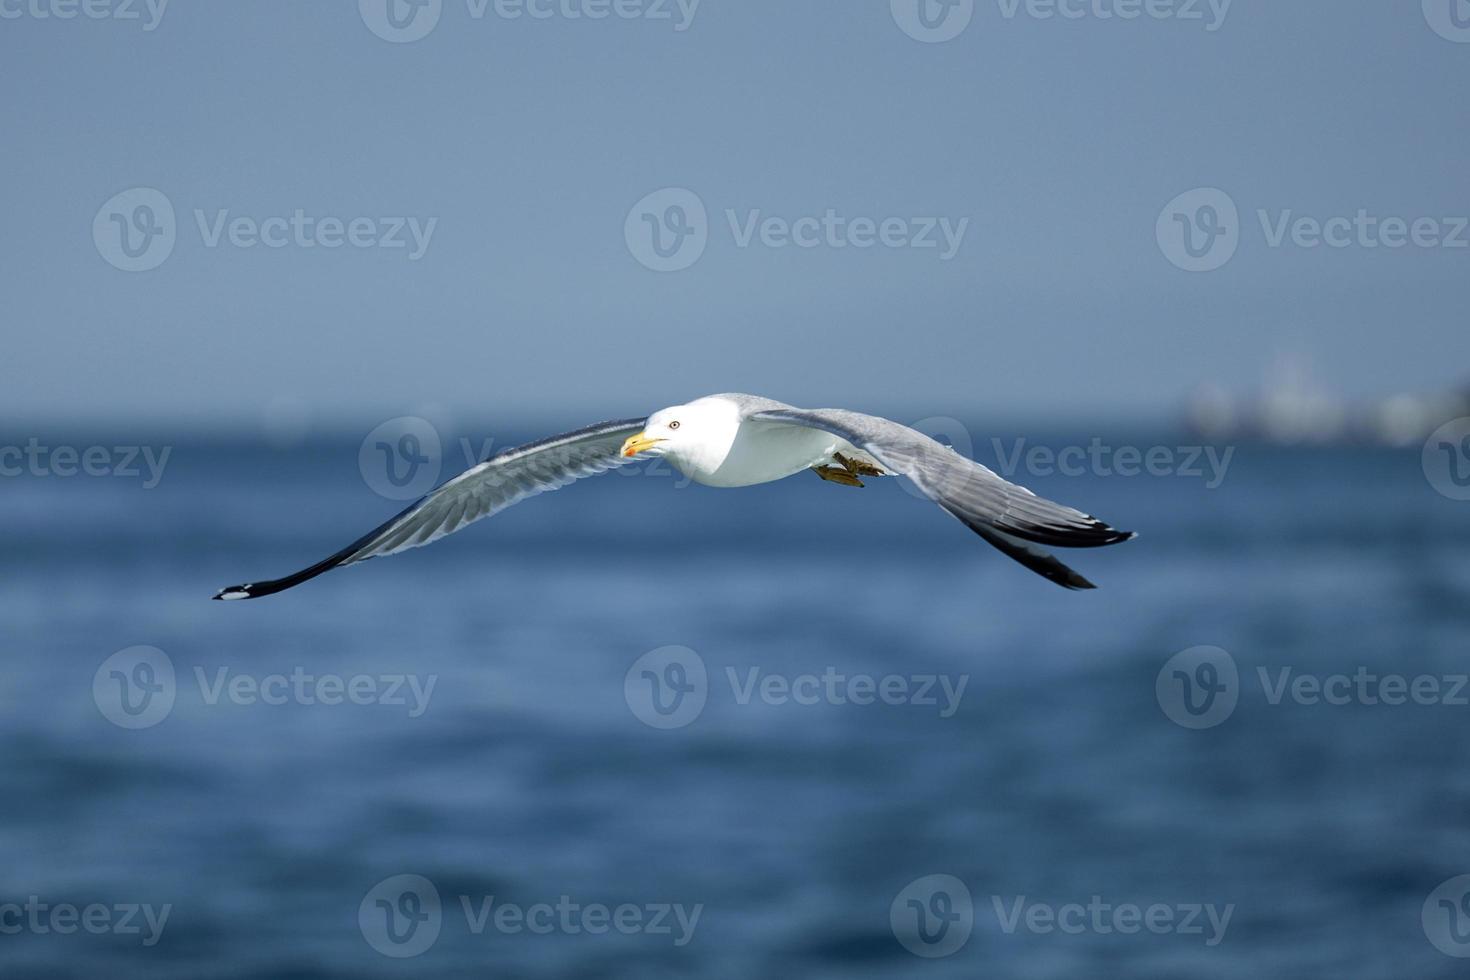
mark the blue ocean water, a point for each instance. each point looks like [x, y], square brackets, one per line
[530, 778]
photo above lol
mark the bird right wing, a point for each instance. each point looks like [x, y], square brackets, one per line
[1007, 515]
[480, 491]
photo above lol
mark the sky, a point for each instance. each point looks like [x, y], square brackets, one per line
[523, 209]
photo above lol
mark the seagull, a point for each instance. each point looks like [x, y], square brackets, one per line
[736, 440]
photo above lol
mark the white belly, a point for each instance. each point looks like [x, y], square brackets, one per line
[763, 452]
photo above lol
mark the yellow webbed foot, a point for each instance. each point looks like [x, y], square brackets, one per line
[836, 474]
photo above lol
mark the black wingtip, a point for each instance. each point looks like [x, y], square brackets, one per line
[231, 592]
[1103, 535]
[1062, 528]
[1043, 564]
[1063, 575]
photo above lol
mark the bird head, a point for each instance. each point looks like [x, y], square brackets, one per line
[687, 432]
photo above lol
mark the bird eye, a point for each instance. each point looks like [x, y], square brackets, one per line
[673, 425]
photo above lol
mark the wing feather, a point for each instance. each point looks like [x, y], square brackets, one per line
[1010, 517]
[480, 491]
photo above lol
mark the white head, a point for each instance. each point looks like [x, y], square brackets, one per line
[696, 435]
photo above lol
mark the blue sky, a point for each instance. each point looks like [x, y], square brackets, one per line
[522, 144]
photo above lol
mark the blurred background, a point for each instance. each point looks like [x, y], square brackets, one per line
[272, 270]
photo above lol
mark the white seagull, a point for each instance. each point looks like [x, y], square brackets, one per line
[736, 440]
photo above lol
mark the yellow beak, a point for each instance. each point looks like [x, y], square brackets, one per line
[637, 444]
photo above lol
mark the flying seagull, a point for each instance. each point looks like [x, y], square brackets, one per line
[736, 440]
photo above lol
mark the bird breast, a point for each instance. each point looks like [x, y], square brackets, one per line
[762, 452]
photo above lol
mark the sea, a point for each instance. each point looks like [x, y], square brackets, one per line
[638, 728]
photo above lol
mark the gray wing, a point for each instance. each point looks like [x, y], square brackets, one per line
[480, 491]
[1008, 516]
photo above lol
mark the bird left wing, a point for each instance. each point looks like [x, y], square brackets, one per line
[1005, 514]
[480, 491]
